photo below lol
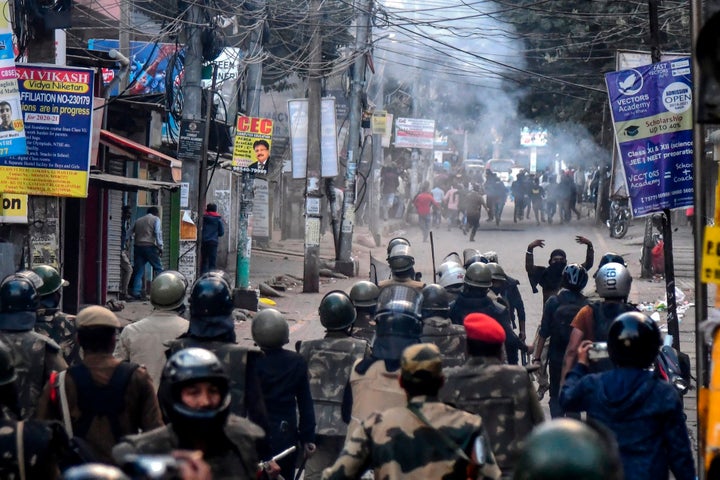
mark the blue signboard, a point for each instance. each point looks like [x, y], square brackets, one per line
[651, 108]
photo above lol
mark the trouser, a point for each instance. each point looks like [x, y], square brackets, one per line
[209, 256]
[328, 450]
[144, 254]
[125, 272]
[424, 221]
[541, 375]
[472, 221]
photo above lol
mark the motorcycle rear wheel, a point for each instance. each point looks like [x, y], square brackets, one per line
[619, 229]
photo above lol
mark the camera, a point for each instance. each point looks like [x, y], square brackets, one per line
[598, 351]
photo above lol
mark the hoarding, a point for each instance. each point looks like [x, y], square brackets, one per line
[298, 113]
[414, 133]
[57, 105]
[651, 107]
[253, 140]
[12, 131]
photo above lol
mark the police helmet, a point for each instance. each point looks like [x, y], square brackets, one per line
[434, 300]
[17, 294]
[337, 311]
[472, 255]
[7, 366]
[396, 241]
[399, 299]
[167, 291]
[94, 471]
[210, 296]
[491, 256]
[185, 367]
[497, 272]
[610, 257]
[613, 281]
[478, 274]
[451, 257]
[567, 448]
[574, 277]
[364, 294]
[51, 279]
[633, 340]
[217, 273]
[400, 258]
[270, 329]
[451, 274]
[398, 321]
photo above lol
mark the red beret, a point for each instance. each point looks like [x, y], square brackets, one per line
[484, 328]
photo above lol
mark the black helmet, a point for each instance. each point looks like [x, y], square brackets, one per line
[574, 277]
[633, 340]
[397, 241]
[364, 294]
[51, 279]
[337, 311]
[210, 297]
[167, 291]
[610, 257]
[18, 294]
[189, 366]
[270, 329]
[478, 274]
[472, 255]
[399, 299]
[398, 321]
[434, 300]
[94, 471]
[217, 273]
[613, 281]
[567, 448]
[400, 258]
[7, 365]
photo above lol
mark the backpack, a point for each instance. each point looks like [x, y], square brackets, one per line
[603, 315]
[560, 328]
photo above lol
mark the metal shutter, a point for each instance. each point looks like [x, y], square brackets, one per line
[114, 229]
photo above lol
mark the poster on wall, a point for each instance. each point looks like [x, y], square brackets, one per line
[253, 140]
[298, 114]
[57, 104]
[12, 129]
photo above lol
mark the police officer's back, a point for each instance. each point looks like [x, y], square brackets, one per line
[439, 329]
[402, 264]
[35, 356]
[363, 295]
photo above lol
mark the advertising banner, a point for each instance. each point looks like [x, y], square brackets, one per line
[253, 139]
[651, 108]
[12, 131]
[57, 108]
[298, 113]
[14, 208]
[414, 133]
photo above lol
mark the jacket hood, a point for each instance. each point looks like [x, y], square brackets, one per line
[626, 390]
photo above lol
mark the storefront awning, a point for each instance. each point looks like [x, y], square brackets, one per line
[142, 152]
[129, 184]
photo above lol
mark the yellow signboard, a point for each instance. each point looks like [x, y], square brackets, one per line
[13, 208]
[710, 272]
[379, 122]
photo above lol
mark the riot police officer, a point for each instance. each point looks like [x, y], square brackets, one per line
[329, 361]
[35, 356]
[439, 329]
[363, 295]
[52, 322]
[401, 262]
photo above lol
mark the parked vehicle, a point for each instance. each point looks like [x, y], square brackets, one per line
[619, 220]
[502, 167]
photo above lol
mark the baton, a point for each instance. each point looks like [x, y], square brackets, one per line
[432, 254]
[279, 456]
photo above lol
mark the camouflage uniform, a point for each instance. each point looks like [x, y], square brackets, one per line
[232, 457]
[503, 395]
[364, 326]
[449, 338]
[61, 328]
[35, 357]
[44, 444]
[374, 390]
[397, 444]
[329, 363]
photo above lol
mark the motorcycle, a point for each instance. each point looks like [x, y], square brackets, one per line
[619, 220]
[674, 367]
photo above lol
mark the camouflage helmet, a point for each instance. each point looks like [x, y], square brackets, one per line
[167, 291]
[7, 366]
[478, 275]
[51, 279]
[17, 294]
[633, 340]
[94, 471]
[400, 258]
[497, 272]
[613, 281]
[270, 329]
[421, 363]
[210, 296]
[397, 241]
[364, 294]
[337, 311]
[567, 448]
[434, 300]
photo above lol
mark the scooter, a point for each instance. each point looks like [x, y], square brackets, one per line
[673, 367]
[619, 220]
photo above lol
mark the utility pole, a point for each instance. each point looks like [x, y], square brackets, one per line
[202, 191]
[313, 180]
[344, 263]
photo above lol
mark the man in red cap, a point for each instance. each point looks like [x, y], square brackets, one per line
[503, 395]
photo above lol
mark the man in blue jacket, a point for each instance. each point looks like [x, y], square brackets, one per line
[643, 411]
[212, 229]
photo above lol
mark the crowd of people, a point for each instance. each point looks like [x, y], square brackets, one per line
[410, 380]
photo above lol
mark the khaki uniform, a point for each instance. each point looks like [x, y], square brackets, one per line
[143, 342]
[408, 282]
[232, 457]
[504, 396]
[35, 357]
[329, 361]
[374, 391]
[141, 410]
[400, 444]
[449, 338]
[61, 328]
